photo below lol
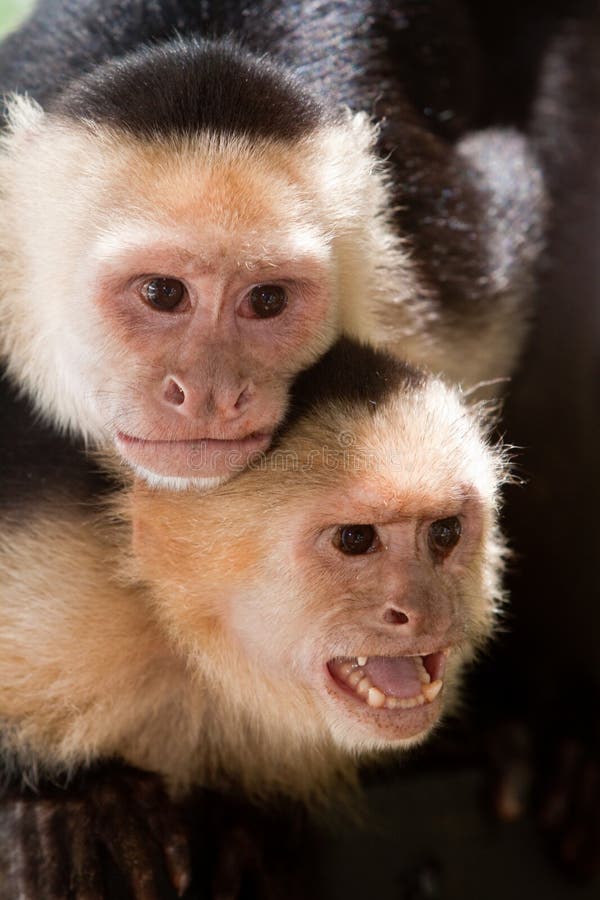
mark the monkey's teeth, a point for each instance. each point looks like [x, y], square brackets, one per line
[355, 677]
[422, 672]
[364, 686]
[408, 703]
[432, 690]
[352, 674]
[375, 698]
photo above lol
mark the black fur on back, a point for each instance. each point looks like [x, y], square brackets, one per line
[187, 85]
[352, 374]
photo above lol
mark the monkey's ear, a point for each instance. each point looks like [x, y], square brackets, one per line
[24, 118]
[504, 170]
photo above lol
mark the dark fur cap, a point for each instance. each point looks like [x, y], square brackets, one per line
[186, 85]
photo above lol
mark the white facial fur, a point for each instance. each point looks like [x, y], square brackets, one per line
[89, 214]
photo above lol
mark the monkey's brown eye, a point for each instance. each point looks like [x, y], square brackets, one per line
[444, 535]
[355, 539]
[164, 294]
[268, 300]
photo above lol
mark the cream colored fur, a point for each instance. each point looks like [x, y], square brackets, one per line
[195, 656]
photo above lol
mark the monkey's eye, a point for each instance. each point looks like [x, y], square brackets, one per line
[444, 535]
[355, 539]
[164, 294]
[267, 300]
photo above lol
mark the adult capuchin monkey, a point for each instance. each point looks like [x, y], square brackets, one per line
[186, 224]
[316, 610]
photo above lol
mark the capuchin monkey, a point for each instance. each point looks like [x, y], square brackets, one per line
[197, 198]
[317, 610]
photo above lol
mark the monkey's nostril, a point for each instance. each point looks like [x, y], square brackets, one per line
[243, 400]
[174, 393]
[395, 617]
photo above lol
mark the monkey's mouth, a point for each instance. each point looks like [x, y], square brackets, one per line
[193, 458]
[391, 682]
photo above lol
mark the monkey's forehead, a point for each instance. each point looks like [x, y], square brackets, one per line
[96, 171]
[418, 442]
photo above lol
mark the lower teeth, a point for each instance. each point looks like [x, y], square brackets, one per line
[356, 678]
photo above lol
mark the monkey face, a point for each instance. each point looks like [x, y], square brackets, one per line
[414, 613]
[217, 340]
[379, 617]
[195, 292]
[180, 285]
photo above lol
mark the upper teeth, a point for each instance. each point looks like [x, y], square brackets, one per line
[362, 660]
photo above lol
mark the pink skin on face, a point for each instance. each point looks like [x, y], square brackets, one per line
[405, 599]
[398, 620]
[404, 606]
[203, 383]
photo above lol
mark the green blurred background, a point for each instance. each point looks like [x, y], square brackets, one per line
[11, 11]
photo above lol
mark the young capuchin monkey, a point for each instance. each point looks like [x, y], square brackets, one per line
[314, 611]
[195, 202]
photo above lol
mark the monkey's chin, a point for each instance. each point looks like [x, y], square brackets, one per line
[388, 700]
[171, 483]
[203, 464]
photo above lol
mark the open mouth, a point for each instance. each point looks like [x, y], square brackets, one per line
[391, 682]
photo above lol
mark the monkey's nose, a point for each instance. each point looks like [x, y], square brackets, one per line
[174, 393]
[226, 403]
[393, 616]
